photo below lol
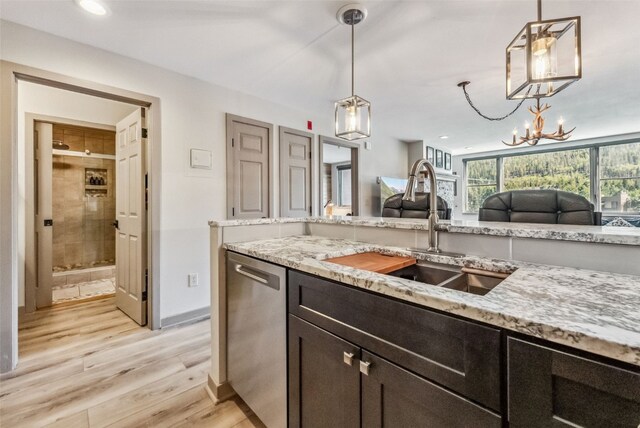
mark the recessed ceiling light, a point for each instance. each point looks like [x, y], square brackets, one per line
[444, 137]
[468, 148]
[94, 7]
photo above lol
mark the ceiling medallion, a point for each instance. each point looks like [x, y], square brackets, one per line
[543, 59]
[352, 114]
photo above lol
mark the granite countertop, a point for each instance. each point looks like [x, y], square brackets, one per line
[563, 232]
[593, 311]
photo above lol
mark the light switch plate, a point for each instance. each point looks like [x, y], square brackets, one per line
[200, 159]
[193, 280]
[367, 145]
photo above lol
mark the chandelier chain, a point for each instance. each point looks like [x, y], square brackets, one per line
[463, 85]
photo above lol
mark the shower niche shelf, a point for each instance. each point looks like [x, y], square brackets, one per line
[95, 182]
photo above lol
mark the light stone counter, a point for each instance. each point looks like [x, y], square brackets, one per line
[561, 232]
[593, 311]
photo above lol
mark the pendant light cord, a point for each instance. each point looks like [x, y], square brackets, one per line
[353, 58]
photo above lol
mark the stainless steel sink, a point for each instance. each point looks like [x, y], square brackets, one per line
[429, 273]
[468, 280]
[472, 283]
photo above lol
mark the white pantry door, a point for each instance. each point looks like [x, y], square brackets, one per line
[131, 292]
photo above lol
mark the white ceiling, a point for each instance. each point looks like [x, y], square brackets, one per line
[409, 57]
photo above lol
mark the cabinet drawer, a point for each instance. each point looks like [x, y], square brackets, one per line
[457, 354]
[553, 388]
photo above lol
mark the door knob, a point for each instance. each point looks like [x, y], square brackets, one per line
[347, 357]
[364, 367]
[48, 222]
[116, 224]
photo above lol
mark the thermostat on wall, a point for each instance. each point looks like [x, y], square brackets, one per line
[200, 159]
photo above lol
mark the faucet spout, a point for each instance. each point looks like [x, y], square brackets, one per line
[410, 195]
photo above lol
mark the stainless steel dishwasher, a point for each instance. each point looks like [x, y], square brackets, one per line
[256, 336]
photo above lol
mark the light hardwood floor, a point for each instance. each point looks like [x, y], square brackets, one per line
[89, 365]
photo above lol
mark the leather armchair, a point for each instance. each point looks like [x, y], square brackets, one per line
[394, 206]
[539, 206]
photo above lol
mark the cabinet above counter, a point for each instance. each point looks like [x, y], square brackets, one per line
[586, 310]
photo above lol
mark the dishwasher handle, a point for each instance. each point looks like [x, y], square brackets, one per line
[270, 280]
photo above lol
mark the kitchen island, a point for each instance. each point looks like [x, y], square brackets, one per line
[592, 314]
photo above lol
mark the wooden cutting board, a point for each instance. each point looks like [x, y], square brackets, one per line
[374, 262]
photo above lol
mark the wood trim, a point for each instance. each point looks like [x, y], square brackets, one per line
[219, 393]
[186, 317]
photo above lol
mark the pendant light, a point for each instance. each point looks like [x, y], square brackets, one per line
[543, 59]
[545, 54]
[352, 114]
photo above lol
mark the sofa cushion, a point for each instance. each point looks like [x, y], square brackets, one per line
[538, 206]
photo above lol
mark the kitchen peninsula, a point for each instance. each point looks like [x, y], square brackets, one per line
[564, 310]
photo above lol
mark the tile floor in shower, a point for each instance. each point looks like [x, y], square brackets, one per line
[83, 290]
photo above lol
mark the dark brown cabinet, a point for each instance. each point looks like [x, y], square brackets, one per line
[555, 389]
[395, 397]
[324, 390]
[360, 359]
[333, 383]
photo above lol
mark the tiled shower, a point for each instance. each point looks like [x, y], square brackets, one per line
[83, 213]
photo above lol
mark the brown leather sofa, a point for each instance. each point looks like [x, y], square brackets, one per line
[394, 206]
[539, 206]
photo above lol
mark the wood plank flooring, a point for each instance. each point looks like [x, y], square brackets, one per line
[89, 365]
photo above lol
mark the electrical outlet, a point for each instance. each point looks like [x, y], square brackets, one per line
[193, 280]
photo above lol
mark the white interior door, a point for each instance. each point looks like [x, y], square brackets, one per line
[43, 209]
[131, 218]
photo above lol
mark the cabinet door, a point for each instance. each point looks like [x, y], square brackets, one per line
[394, 397]
[555, 389]
[460, 355]
[324, 389]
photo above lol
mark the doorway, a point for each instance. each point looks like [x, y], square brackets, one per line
[87, 240]
[13, 272]
[83, 199]
[339, 180]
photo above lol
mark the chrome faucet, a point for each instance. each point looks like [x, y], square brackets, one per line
[410, 195]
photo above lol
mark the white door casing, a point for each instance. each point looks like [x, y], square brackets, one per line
[131, 252]
[295, 172]
[43, 212]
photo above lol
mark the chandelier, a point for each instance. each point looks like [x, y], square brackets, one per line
[543, 59]
[352, 114]
[532, 137]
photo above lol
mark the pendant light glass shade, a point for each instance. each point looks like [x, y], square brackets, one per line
[353, 118]
[544, 58]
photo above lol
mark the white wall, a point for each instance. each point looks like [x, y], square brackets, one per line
[45, 100]
[193, 116]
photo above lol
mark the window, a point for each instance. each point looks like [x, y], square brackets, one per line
[344, 185]
[481, 182]
[617, 171]
[566, 170]
[620, 178]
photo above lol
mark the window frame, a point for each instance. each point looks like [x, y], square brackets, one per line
[594, 171]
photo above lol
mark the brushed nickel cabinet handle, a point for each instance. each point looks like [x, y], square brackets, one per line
[347, 357]
[364, 367]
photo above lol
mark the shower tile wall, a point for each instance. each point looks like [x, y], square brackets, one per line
[82, 232]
